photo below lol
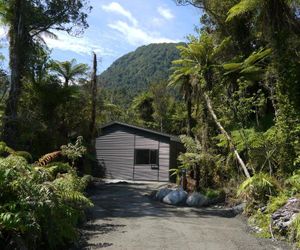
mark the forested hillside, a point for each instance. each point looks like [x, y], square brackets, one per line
[134, 72]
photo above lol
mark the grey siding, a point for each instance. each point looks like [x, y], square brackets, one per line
[164, 161]
[115, 151]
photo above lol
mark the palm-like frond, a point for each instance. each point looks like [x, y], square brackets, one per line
[47, 158]
[251, 67]
[69, 70]
[243, 7]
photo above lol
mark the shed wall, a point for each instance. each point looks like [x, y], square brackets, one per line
[115, 151]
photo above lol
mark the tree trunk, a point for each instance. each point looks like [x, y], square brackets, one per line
[228, 137]
[17, 50]
[94, 96]
[66, 83]
[189, 118]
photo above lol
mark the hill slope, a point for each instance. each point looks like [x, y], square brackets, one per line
[133, 72]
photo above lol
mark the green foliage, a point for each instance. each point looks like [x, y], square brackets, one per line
[69, 70]
[39, 205]
[4, 149]
[294, 230]
[200, 161]
[242, 7]
[133, 73]
[213, 193]
[56, 168]
[293, 183]
[74, 151]
[25, 155]
[257, 190]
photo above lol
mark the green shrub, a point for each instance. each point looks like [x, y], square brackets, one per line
[262, 220]
[213, 193]
[293, 183]
[56, 168]
[74, 151]
[294, 231]
[38, 205]
[257, 190]
[4, 149]
[25, 155]
[88, 180]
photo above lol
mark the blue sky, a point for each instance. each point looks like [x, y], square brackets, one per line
[120, 26]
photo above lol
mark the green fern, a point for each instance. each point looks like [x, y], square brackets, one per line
[294, 230]
[257, 190]
[293, 183]
[241, 8]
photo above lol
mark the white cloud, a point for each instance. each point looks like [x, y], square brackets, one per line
[81, 45]
[136, 36]
[119, 9]
[165, 13]
[157, 21]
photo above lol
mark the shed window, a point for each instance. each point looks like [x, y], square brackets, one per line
[146, 157]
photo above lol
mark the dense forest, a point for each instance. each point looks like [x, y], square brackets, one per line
[134, 72]
[232, 93]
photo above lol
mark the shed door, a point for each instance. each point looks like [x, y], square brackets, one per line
[146, 164]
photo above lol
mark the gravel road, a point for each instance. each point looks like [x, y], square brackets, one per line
[124, 217]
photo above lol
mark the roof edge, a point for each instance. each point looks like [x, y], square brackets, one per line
[172, 137]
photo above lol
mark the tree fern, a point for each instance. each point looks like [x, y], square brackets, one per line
[242, 7]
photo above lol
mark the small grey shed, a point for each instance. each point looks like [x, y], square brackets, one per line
[133, 153]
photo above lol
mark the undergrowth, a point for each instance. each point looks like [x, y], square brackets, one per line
[40, 207]
[264, 196]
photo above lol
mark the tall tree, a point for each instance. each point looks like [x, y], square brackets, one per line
[27, 21]
[182, 78]
[199, 58]
[161, 104]
[94, 97]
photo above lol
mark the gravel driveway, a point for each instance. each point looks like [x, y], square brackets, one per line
[124, 217]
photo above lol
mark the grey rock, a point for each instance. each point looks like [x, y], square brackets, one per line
[284, 216]
[197, 200]
[239, 209]
[175, 197]
[162, 193]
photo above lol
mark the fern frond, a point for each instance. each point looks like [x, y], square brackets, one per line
[241, 8]
[76, 198]
[47, 158]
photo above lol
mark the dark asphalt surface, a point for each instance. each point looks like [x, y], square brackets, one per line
[124, 217]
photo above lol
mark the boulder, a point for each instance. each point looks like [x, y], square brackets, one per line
[197, 200]
[239, 209]
[162, 193]
[284, 216]
[176, 197]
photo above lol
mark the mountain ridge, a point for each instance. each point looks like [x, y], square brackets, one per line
[132, 73]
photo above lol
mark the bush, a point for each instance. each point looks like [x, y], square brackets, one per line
[257, 190]
[213, 193]
[24, 154]
[40, 206]
[293, 183]
[263, 219]
[4, 149]
[294, 231]
[56, 168]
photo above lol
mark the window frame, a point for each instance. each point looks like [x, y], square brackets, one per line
[153, 166]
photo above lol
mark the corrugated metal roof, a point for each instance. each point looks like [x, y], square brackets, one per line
[172, 137]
